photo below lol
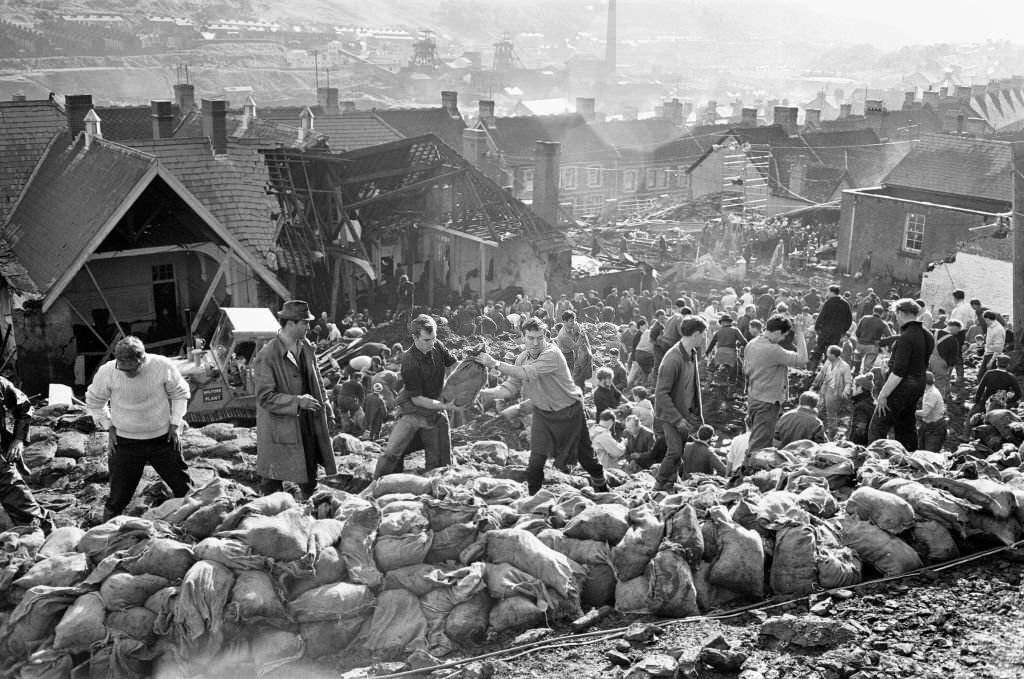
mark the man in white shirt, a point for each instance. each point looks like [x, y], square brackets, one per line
[995, 340]
[609, 451]
[931, 433]
[963, 313]
[141, 400]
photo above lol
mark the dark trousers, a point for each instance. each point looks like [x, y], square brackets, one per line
[961, 339]
[901, 416]
[826, 338]
[931, 435]
[129, 460]
[585, 452]
[434, 434]
[16, 497]
[268, 486]
[668, 472]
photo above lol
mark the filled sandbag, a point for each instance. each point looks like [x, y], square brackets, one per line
[32, 621]
[418, 578]
[504, 580]
[268, 505]
[61, 541]
[413, 484]
[273, 649]
[498, 491]
[399, 518]
[282, 537]
[992, 496]
[739, 564]
[449, 542]
[467, 622]
[331, 602]
[464, 383]
[124, 590]
[199, 608]
[585, 552]
[710, 596]
[396, 551]
[135, 622]
[329, 637]
[888, 511]
[683, 531]
[461, 508]
[632, 596]
[254, 598]
[886, 552]
[607, 523]
[203, 522]
[119, 533]
[162, 604]
[1007, 531]
[526, 552]
[932, 503]
[165, 557]
[60, 570]
[638, 546]
[794, 570]
[82, 624]
[356, 544]
[328, 567]
[934, 542]
[514, 614]
[671, 592]
[598, 587]
[229, 552]
[818, 501]
[397, 625]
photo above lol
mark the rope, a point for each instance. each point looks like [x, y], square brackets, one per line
[584, 638]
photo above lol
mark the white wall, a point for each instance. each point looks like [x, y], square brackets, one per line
[990, 280]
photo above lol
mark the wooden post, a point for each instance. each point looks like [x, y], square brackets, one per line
[335, 285]
[1018, 255]
[483, 274]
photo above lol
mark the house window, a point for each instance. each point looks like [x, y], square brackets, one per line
[913, 233]
[568, 177]
[163, 272]
[593, 177]
[629, 181]
[651, 178]
[662, 178]
[681, 176]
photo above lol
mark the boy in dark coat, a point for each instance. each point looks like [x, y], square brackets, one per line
[863, 403]
[375, 411]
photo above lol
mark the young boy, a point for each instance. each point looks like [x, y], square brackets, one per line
[642, 406]
[931, 431]
[606, 396]
[863, 403]
[801, 422]
[375, 411]
[618, 370]
[699, 458]
[833, 382]
[609, 451]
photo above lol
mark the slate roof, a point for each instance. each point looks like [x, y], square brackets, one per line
[860, 152]
[343, 131]
[129, 122]
[517, 136]
[822, 182]
[261, 130]
[416, 122]
[26, 128]
[957, 166]
[46, 235]
[231, 186]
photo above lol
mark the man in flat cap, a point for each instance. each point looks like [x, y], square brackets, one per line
[292, 429]
[140, 399]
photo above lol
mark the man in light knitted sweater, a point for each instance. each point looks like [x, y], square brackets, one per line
[141, 399]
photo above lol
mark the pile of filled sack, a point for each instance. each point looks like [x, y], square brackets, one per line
[418, 566]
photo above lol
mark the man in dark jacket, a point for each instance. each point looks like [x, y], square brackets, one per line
[997, 379]
[833, 320]
[945, 355]
[896, 404]
[15, 495]
[677, 396]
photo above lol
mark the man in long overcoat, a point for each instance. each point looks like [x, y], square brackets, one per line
[292, 432]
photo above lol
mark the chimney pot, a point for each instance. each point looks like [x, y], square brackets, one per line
[546, 173]
[586, 107]
[75, 107]
[327, 99]
[748, 117]
[812, 117]
[673, 111]
[93, 129]
[162, 114]
[185, 97]
[785, 117]
[450, 103]
[215, 124]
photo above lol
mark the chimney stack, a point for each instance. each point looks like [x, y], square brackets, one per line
[327, 99]
[844, 111]
[930, 99]
[547, 164]
[963, 93]
[687, 110]
[960, 123]
[943, 92]
[163, 118]
[91, 123]
[450, 103]
[485, 112]
[976, 126]
[874, 111]
[75, 107]
[673, 110]
[305, 124]
[785, 117]
[348, 107]
[748, 117]
[474, 146]
[586, 107]
[249, 110]
[215, 124]
[812, 118]
[185, 98]
[908, 99]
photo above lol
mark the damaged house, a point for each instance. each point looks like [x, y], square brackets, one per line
[413, 207]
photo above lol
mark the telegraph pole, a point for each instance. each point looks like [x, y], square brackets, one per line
[1018, 254]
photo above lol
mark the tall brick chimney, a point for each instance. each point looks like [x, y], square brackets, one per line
[673, 110]
[748, 117]
[162, 115]
[547, 167]
[963, 92]
[485, 112]
[943, 92]
[215, 124]
[874, 112]
[185, 97]
[845, 111]
[75, 107]
[474, 146]
[586, 107]
[908, 99]
[812, 118]
[450, 103]
[786, 116]
[687, 110]
[327, 99]
[711, 112]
